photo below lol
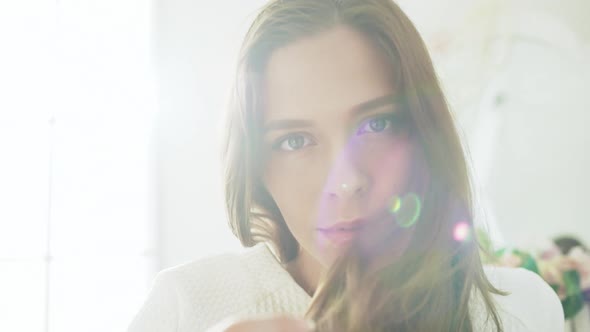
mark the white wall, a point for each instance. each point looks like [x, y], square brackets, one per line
[529, 150]
[197, 44]
[538, 181]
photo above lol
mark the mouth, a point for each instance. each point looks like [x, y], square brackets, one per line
[344, 232]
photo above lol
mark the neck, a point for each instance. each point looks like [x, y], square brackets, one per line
[306, 271]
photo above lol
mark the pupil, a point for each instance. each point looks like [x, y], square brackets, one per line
[377, 125]
[295, 142]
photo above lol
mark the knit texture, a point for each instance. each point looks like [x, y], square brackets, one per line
[195, 296]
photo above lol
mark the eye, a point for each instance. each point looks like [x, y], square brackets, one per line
[377, 124]
[293, 142]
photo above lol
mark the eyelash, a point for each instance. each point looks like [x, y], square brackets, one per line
[395, 121]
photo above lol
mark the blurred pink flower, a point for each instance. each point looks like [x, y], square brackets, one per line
[551, 271]
[551, 252]
[581, 262]
[510, 260]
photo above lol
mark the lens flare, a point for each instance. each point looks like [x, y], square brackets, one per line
[407, 210]
[396, 203]
[462, 231]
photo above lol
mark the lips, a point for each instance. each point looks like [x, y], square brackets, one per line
[345, 226]
[343, 232]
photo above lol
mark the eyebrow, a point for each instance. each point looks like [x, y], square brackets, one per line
[361, 108]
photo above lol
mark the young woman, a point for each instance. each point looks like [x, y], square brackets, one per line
[346, 177]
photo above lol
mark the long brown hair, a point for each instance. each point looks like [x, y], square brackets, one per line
[429, 287]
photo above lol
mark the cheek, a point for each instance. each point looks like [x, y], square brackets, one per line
[390, 171]
[295, 185]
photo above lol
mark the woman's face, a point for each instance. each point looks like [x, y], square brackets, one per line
[337, 148]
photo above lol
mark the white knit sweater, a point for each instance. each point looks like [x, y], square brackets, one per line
[194, 296]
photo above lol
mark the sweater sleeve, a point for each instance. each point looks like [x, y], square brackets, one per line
[159, 313]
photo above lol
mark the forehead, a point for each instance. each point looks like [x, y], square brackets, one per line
[325, 74]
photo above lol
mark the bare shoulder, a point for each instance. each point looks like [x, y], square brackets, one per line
[531, 304]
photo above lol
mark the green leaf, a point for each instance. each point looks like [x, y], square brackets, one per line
[574, 301]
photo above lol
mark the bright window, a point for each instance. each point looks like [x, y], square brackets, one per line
[77, 211]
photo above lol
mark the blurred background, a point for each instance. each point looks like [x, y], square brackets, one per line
[111, 114]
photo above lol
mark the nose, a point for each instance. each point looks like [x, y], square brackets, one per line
[346, 179]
